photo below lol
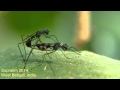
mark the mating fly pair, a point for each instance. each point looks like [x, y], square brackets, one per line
[39, 45]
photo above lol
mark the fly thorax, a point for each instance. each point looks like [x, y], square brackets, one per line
[42, 47]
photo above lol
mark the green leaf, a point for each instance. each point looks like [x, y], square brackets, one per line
[86, 65]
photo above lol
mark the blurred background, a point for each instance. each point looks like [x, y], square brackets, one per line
[96, 31]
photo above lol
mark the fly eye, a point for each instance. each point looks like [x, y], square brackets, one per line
[47, 32]
[65, 48]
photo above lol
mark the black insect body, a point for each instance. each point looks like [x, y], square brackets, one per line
[53, 47]
[32, 37]
[39, 45]
[35, 36]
